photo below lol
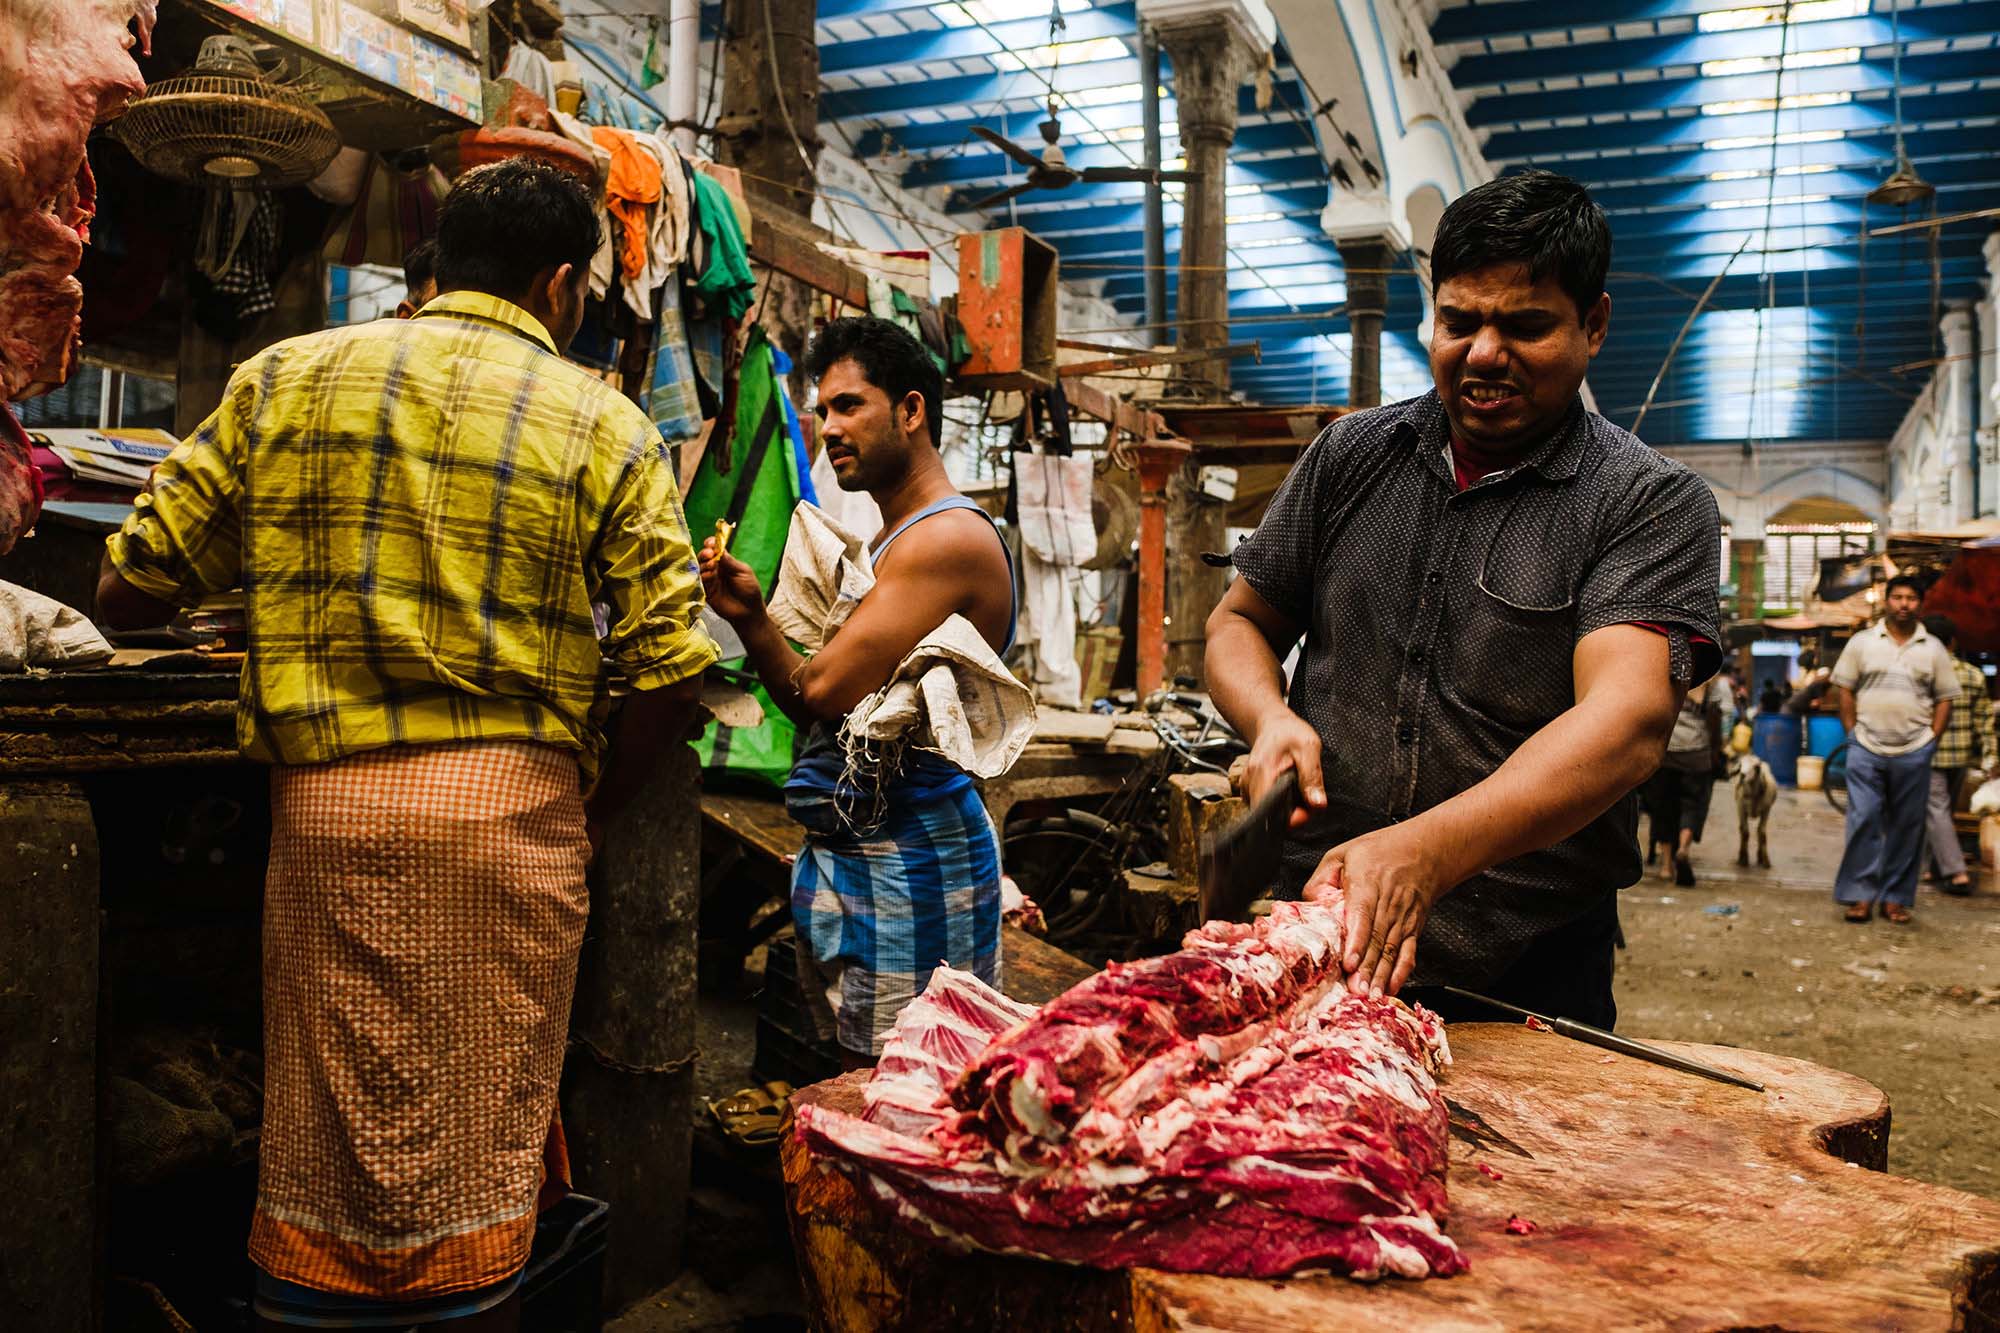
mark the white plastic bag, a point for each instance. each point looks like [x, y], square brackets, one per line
[38, 631]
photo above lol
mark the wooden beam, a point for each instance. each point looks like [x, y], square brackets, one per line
[784, 241]
[1140, 360]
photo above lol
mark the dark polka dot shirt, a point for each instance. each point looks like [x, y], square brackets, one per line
[1440, 628]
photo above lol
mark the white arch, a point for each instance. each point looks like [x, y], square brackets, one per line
[1747, 512]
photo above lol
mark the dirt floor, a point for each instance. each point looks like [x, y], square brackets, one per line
[1913, 1009]
[1753, 958]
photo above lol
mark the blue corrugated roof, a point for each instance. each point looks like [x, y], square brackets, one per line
[1668, 109]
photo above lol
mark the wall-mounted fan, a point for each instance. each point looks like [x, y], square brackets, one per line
[1050, 170]
[228, 123]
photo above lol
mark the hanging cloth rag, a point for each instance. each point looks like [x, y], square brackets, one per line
[632, 192]
[532, 70]
[1053, 494]
[674, 403]
[394, 211]
[727, 279]
[676, 218]
[237, 260]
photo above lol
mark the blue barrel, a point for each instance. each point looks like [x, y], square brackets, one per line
[1824, 734]
[1775, 739]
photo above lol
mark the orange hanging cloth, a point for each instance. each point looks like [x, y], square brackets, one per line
[632, 192]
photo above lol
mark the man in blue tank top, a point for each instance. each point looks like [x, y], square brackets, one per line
[896, 881]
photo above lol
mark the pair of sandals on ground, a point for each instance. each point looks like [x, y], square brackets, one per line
[1958, 886]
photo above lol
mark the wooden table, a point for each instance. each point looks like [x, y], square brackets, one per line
[1660, 1200]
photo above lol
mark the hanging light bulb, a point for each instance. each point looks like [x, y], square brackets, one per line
[1904, 186]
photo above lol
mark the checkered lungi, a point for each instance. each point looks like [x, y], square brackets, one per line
[422, 916]
[874, 915]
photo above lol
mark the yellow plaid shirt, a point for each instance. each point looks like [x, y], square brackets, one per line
[420, 514]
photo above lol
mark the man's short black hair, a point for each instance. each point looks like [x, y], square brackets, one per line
[890, 358]
[503, 224]
[1910, 581]
[420, 265]
[1537, 218]
[1943, 628]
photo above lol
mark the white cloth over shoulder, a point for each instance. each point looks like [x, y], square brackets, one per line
[951, 695]
[38, 631]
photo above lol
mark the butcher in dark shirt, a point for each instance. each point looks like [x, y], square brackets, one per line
[1503, 597]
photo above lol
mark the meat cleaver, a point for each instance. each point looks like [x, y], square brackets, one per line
[1239, 865]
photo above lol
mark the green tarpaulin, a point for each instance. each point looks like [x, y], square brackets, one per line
[760, 756]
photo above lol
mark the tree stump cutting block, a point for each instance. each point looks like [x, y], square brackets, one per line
[1659, 1201]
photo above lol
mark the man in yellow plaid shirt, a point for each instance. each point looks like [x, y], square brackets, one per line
[421, 514]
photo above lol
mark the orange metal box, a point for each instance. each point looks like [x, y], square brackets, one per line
[1007, 303]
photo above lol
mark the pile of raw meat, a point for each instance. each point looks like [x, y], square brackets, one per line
[1227, 1109]
[64, 66]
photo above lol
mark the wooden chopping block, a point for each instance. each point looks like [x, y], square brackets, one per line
[1197, 804]
[1660, 1201]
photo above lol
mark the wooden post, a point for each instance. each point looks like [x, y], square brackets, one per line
[769, 130]
[50, 1250]
[628, 1085]
[1196, 523]
[1158, 461]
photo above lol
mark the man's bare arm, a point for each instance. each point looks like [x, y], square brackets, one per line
[938, 569]
[1846, 708]
[1246, 638]
[648, 722]
[1940, 716]
[1561, 778]
[122, 606]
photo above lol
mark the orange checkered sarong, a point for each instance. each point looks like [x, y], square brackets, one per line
[422, 917]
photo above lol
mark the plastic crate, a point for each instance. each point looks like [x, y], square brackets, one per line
[562, 1290]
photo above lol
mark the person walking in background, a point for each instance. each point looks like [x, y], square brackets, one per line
[1896, 685]
[1967, 743]
[1676, 798]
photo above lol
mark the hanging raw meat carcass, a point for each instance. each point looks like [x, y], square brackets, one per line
[65, 66]
[1227, 1109]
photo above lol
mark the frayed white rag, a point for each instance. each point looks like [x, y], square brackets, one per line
[951, 695]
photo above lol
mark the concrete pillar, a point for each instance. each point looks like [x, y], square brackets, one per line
[1366, 261]
[1213, 49]
[1958, 380]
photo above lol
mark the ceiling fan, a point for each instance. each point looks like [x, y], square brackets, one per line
[1052, 171]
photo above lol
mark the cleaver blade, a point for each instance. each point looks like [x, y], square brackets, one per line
[1240, 864]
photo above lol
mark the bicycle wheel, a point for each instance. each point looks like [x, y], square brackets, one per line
[1834, 784]
[1065, 866]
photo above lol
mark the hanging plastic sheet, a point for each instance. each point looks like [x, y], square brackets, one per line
[753, 478]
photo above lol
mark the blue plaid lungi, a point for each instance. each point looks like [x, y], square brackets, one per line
[671, 400]
[875, 914]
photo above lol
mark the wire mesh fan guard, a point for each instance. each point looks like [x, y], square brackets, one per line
[228, 128]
